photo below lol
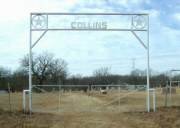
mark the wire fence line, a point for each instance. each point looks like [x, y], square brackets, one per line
[11, 101]
[88, 98]
[97, 98]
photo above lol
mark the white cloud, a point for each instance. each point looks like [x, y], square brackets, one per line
[139, 1]
[18, 10]
[123, 2]
[14, 24]
[130, 4]
[177, 16]
[83, 49]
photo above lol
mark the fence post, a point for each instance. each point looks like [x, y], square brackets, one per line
[119, 97]
[9, 91]
[154, 100]
[152, 91]
[24, 100]
[59, 98]
[166, 93]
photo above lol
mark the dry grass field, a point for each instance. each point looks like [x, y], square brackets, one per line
[89, 110]
[163, 118]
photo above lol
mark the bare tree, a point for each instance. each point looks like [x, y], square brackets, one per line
[102, 75]
[46, 67]
[58, 71]
[101, 72]
[5, 75]
[138, 72]
[4, 72]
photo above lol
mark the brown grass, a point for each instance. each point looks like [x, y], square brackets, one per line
[163, 118]
[80, 110]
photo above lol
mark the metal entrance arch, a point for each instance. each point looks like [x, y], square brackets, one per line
[40, 22]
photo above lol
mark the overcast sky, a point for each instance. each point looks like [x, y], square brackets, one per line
[87, 51]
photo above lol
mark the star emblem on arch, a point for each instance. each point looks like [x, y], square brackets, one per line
[39, 22]
[139, 22]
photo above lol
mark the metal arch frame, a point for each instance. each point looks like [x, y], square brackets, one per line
[133, 31]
